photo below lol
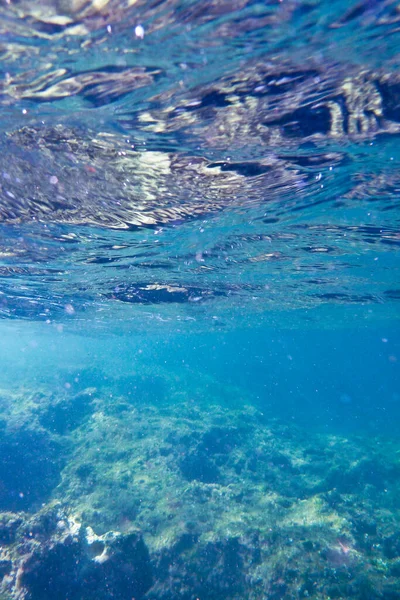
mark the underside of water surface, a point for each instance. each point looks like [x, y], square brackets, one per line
[199, 292]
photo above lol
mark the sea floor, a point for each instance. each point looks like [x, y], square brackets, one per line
[103, 496]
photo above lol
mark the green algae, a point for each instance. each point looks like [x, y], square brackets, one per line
[218, 495]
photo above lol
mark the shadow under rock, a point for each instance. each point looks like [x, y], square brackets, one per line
[30, 466]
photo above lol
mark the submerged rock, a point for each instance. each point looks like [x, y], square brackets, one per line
[189, 501]
[54, 556]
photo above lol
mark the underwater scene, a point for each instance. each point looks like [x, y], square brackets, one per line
[199, 299]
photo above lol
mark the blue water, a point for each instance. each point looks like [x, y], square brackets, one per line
[199, 291]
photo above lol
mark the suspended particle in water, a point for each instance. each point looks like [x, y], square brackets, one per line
[69, 309]
[139, 31]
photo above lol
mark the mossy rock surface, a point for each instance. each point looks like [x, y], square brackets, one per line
[210, 502]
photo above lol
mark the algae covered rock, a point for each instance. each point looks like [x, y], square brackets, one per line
[64, 414]
[54, 556]
[194, 569]
[190, 501]
[87, 566]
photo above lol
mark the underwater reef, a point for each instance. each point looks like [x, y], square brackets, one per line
[120, 498]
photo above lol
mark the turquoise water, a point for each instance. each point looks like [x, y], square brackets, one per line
[199, 288]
